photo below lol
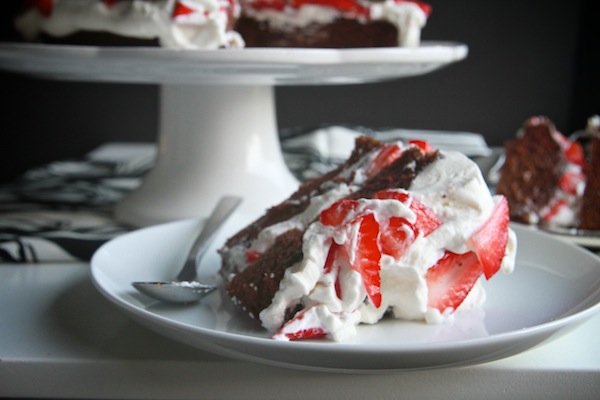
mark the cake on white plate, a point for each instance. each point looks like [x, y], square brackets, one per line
[398, 230]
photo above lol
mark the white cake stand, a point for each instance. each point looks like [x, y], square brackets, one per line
[218, 130]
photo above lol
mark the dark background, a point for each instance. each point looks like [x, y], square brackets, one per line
[525, 58]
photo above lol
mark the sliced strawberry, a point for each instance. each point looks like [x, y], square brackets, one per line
[337, 213]
[304, 325]
[570, 181]
[423, 145]
[364, 255]
[387, 155]
[278, 5]
[490, 240]
[251, 256]
[402, 197]
[574, 153]
[332, 267]
[555, 209]
[307, 333]
[451, 279]
[181, 9]
[397, 237]
[426, 221]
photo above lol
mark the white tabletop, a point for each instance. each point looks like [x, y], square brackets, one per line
[60, 338]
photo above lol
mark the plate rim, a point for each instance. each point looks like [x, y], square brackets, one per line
[255, 66]
[428, 51]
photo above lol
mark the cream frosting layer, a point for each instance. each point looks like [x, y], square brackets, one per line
[202, 24]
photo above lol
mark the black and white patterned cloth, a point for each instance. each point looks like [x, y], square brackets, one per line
[63, 210]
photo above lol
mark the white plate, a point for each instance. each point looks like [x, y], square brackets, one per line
[555, 286]
[241, 66]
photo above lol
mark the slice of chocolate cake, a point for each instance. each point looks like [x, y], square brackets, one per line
[542, 176]
[398, 229]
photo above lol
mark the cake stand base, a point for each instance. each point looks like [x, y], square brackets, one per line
[213, 140]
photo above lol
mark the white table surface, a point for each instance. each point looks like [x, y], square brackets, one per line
[60, 338]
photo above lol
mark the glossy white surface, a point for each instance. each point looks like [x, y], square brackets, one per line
[259, 66]
[548, 292]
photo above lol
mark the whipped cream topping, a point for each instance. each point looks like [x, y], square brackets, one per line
[454, 189]
[177, 24]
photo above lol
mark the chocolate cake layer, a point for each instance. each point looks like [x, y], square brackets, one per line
[341, 33]
[531, 171]
[589, 218]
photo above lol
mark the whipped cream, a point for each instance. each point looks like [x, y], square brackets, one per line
[201, 24]
[454, 189]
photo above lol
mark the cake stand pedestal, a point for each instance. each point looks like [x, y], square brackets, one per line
[213, 140]
[218, 131]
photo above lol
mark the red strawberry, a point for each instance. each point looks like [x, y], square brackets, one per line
[451, 279]
[574, 153]
[387, 155]
[397, 237]
[181, 9]
[426, 222]
[364, 255]
[490, 240]
[423, 145]
[392, 195]
[268, 4]
[331, 267]
[555, 208]
[251, 256]
[338, 212]
[570, 181]
[304, 325]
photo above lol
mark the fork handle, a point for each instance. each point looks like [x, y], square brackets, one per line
[224, 208]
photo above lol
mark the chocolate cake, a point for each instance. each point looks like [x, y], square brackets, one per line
[590, 208]
[398, 229]
[331, 23]
[211, 24]
[542, 176]
[342, 33]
